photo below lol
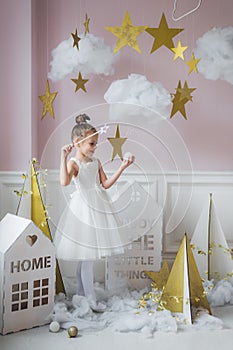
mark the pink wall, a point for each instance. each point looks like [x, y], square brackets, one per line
[15, 84]
[207, 133]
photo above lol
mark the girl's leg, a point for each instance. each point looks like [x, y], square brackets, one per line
[80, 290]
[87, 277]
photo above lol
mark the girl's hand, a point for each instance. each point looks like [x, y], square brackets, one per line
[127, 162]
[66, 150]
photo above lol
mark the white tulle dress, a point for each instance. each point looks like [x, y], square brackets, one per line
[88, 227]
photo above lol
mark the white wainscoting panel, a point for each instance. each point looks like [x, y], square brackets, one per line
[182, 194]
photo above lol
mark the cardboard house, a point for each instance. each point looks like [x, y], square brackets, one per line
[27, 275]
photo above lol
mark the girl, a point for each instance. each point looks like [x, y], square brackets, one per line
[88, 228]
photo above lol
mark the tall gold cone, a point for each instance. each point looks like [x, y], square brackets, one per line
[38, 216]
[197, 294]
[172, 297]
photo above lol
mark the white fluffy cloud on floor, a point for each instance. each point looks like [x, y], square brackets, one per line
[93, 57]
[123, 314]
[135, 99]
[215, 49]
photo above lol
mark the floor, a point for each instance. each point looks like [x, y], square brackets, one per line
[190, 338]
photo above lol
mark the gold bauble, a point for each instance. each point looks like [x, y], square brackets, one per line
[72, 331]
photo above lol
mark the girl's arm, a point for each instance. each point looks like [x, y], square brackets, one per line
[67, 169]
[107, 183]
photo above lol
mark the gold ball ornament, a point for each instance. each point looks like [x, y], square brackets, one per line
[72, 332]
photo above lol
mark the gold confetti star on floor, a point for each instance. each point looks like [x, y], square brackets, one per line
[80, 83]
[117, 143]
[127, 34]
[163, 35]
[47, 100]
[76, 39]
[193, 64]
[179, 50]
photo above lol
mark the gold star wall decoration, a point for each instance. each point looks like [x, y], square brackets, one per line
[80, 82]
[159, 278]
[117, 143]
[86, 24]
[193, 64]
[179, 50]
[185, 92]
[163, 35]
[47, 100]
[127, 34]
[181, 97]
[76, 39]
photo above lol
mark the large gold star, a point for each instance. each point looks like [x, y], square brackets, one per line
[80, 82]
[127, 34]
[185, 92]
[76, 39]
[159, 278]
[117, 142]
[193, 64]
[179, 51]
[178, 103]
[47, 100]
[163, 35]
[86, 24]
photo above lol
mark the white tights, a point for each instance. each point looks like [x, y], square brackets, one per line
[85, 279]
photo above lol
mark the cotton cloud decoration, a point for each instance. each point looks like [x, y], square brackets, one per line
[215, 48]
[137, 100]
[93, 57]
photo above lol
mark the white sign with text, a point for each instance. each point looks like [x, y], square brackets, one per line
[143, 217]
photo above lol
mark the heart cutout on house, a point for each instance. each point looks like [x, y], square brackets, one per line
[31, 239]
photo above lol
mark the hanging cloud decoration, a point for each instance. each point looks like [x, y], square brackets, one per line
[215, 48]
[93, 57]
[137, 100]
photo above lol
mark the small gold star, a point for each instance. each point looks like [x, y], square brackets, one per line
[80, 83]
[86, 24]
[193, 64]
[127, 34]
[117, 142]
[47, 100]
[179, 51]
[76, 39]
[163, 35]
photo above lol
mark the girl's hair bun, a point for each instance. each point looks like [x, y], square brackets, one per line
[82, 119]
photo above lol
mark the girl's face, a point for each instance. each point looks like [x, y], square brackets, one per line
[88, 147]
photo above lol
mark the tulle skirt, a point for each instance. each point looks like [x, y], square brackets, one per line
[88, 227]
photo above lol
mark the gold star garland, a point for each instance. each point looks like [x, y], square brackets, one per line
[117, 143]
[179, 50]
[127, 34]
[163, 35]
[80, 83]
[193, 64]
[76, 39]
[181, 97]
[47, 100]
[86, 25]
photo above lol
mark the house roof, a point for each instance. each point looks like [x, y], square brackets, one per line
[11, 227]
